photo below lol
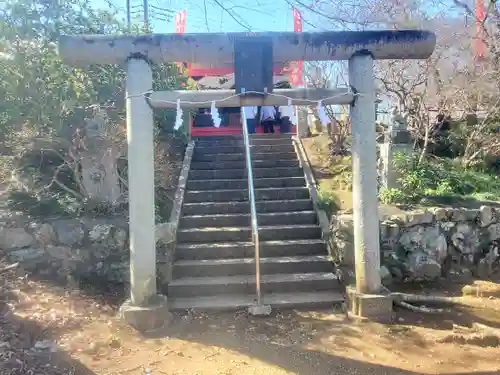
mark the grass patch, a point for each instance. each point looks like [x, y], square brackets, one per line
[333, 174]
[439, 179]
[434, 182]
[341, 171]
[5, 169]
[328, 202]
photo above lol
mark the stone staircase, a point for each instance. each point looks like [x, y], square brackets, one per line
[214, 266]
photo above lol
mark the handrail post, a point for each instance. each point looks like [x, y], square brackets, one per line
[258, 309]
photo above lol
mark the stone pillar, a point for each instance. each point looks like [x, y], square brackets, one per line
[145, 310]
[141, 182]
[364, 170]
[302, 122]
[397, 139]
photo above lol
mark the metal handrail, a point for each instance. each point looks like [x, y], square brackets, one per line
[253, 209]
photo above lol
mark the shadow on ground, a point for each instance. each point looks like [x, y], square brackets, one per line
[27, 347]
[464, 315]
[294, 342]
[311, 343]
[269, 340]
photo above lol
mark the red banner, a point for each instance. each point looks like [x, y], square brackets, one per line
[297, 20]
[180, 22]
[480, 34]
[296, 67]
[180, 28]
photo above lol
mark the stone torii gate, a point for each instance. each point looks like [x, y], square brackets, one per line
[146, 309]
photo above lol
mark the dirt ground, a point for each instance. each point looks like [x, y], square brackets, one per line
[45, 329]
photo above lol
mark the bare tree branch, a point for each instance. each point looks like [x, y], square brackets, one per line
[206, 14]
[233, 15]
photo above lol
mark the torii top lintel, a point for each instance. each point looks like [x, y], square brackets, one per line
[208, 48]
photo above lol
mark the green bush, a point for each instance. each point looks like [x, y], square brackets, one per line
[341, 168]
[5, 169]
[328, 202]
[439, 177]
[395, 196]
[33, 205]
[45, 101]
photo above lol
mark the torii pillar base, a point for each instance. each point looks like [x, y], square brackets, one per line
[153, 316]
[369, 307]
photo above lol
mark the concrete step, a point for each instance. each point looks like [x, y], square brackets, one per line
[238, 156]
[256, 148]
[225, 220]
[242, 183]
[215, 138]
[241, 156]
[214, 234]
[272, 140]
[242, 195]
[274, 147]
[221, 174]
[270, 136]
[229, 302]
[212, 142]
[209, 208]
[289, 232]
[247, 249]
[245, 284]
[246, 266]
[254, 140]
[273, 155]
[241, 164]
[241, 234]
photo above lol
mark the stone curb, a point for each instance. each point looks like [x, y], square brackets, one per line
[312, 186]
[166, 233]
[176, 212]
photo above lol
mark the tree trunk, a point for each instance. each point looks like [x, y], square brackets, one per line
[100, 179]
[98, 160]
[426, 144]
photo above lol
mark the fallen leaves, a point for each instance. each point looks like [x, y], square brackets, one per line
[32, 314]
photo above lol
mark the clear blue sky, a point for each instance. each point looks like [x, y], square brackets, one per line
[260, 15]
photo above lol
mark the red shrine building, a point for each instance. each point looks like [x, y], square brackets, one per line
[201, 124]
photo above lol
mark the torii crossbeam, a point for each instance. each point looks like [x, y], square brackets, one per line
[137, 52]
[218, 48]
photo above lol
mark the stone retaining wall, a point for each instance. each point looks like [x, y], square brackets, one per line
[83, 248]
[96, 248]
[424, 245]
